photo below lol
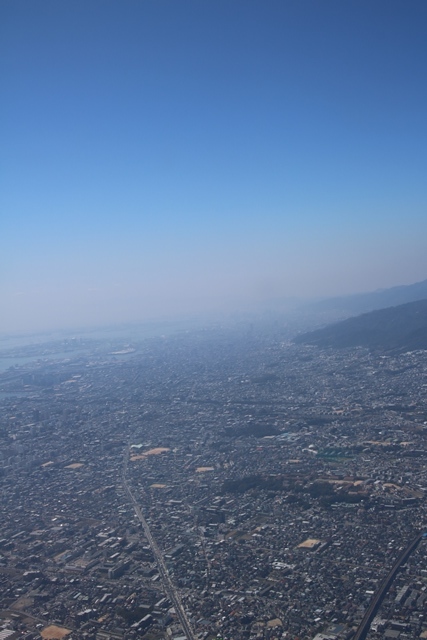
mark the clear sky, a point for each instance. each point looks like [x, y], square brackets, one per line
[170, 156]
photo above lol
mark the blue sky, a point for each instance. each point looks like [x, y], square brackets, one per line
[162, 157]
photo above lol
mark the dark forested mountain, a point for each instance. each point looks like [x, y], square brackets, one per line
[363, 302]
[395, 328]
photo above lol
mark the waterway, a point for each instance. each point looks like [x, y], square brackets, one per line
[114, 338]
[21, 361]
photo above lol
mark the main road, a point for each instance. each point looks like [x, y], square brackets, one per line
[163, 571]
[378, 597]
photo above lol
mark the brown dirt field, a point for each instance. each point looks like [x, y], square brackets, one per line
[22, 603]
[54, 633]
[151, 452]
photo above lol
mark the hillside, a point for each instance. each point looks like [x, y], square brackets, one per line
[364, 302]
[402, 328]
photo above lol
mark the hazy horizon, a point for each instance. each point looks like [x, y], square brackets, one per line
[163, 159]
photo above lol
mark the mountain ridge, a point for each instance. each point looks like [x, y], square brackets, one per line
[380, 299]
[396, 328]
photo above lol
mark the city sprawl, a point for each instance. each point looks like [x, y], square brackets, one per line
[223, 483]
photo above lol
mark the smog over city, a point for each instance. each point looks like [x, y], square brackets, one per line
[213, 327]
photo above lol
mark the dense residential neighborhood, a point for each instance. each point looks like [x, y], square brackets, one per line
[223, 483]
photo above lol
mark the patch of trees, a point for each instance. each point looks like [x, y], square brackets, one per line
[256, 430]
[318, 421]
[268, 483]
[318, 489]
[133, 615]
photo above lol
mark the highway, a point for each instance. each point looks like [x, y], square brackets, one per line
[378, 597]
[163, 571]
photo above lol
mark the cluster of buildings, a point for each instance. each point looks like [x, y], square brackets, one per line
[279, 482]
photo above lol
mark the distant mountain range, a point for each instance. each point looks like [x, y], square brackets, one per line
[397, 328]
[363, 302]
